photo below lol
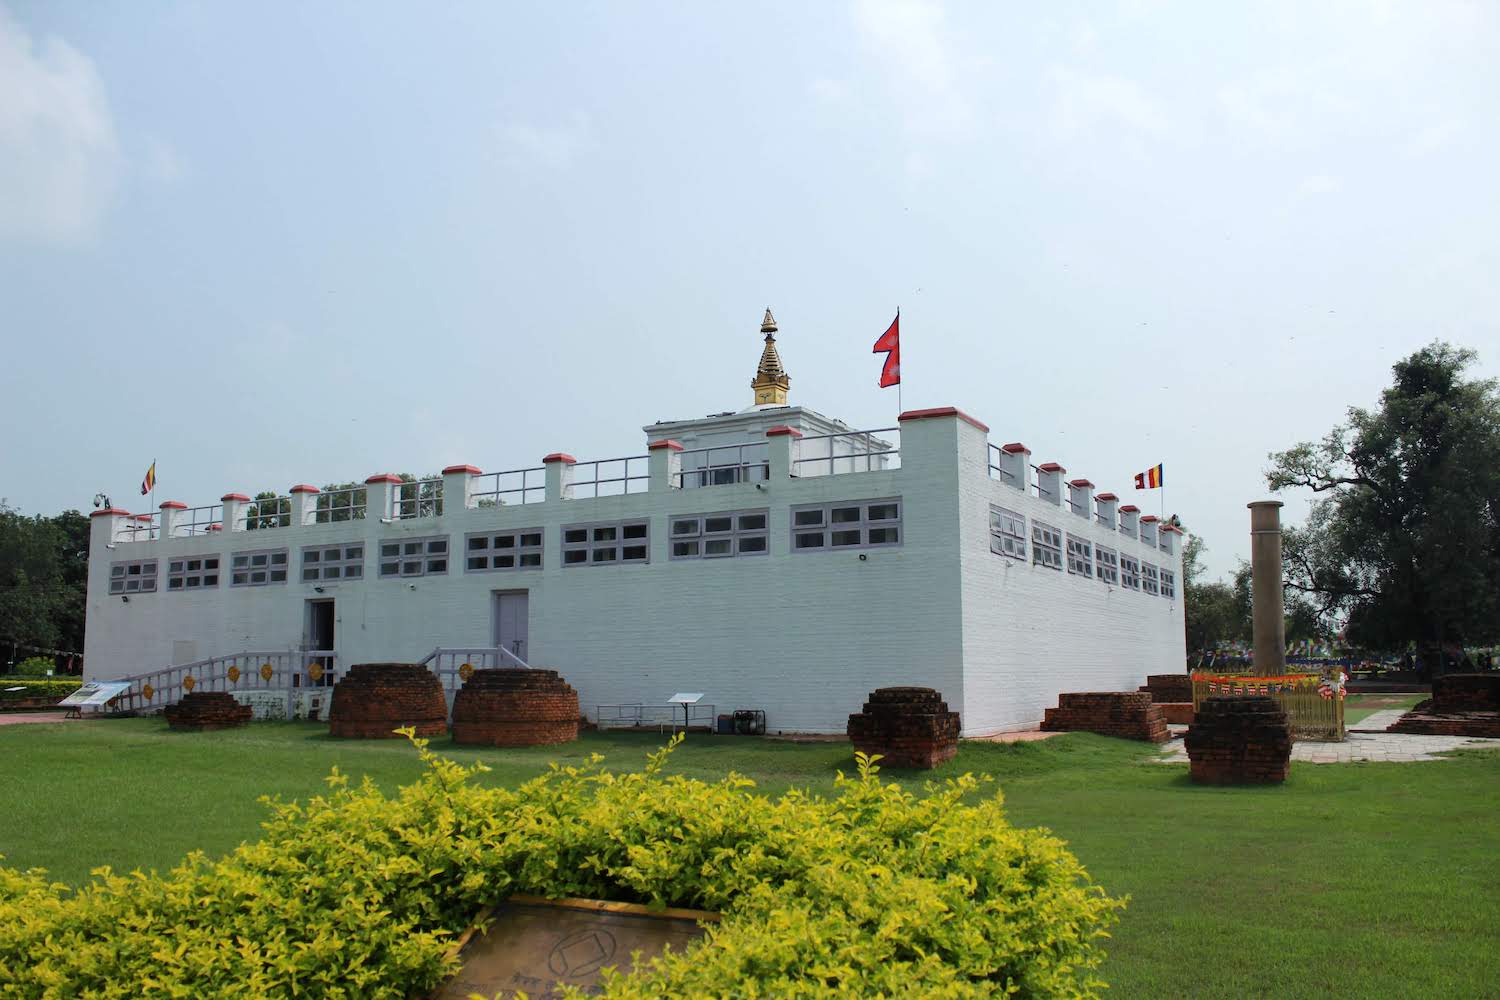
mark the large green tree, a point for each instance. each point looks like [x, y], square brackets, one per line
[43, 575]
[1402, 543]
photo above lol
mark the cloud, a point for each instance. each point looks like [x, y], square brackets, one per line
[913, 48]
[555, 147]
[161, 163]
[59, 162]
[1085, 101]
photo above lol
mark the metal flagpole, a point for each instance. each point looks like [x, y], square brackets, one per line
[900, 375]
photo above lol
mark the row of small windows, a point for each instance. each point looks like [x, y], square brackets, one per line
[1083, 557]
[720, 535]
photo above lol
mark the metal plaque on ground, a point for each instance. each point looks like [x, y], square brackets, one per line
[95, 694]
[536, 944]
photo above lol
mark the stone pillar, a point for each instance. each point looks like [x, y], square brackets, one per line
[559, 474]
[1147, 532]
[167, 522]
[304, 504]
[379, 489]
[1106, 504]
[458, 487]
[1015, 465]
[781, 443]
[234, 511]
[1269, 609]
[1049, 482]
[1078, 498]
[664, 463]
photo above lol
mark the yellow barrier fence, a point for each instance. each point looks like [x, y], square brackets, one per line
[1313, 702]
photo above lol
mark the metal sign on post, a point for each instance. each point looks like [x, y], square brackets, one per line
[94, 694]
[685, 699]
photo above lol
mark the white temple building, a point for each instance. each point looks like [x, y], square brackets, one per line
[771, 558]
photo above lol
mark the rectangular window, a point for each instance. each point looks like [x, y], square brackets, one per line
[1148, 576]
[192, 572]
[1080, 556]
[1007, 533]
[1046, 546]
[489, 551]
[332, 563]
[607, 543]
[853, 524]
[1169, 584]
[1108, 563]
[1130, 572]
[408, 557]
[137, 577]
[258, 568]
[720, 536]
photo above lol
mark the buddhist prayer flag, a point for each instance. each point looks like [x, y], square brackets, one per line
[149, 483]
[890, 343]
[1150, 479]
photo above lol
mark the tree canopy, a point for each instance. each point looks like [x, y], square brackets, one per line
[43, 574]
[1402, 543]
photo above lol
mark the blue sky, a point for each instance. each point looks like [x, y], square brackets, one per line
[271, 244]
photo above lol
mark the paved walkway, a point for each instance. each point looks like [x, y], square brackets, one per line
[1378, 721]
[1378, 747]
[17, 718]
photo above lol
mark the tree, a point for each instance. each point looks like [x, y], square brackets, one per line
[43, 575]
[1402, 543]
[1209, 608]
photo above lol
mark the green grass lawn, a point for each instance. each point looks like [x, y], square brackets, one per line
[1377, 880]
[1358, 707]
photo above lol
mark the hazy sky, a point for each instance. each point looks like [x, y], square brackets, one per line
[277, 243]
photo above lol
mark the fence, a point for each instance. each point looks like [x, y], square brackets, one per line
[279, 670]
[348, 504]
[454, 665]
[1313, 703]
[421, 498]
[731, 463]
[515, 486]
[848, 451]
[998, 470]
[199, 520]
[139, 528]
[271, 512]
[611, 477]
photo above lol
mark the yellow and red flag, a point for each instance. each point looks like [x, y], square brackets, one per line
[1150, 479]
[149, 483]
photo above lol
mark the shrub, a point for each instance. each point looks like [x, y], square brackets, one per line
[29, 688]
[357, 894]
[36, 666]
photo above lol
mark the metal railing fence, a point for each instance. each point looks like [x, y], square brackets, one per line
[1313, 703]
[289, 669]
[348, 504]
[418, 498]
[845, 452]
[731, 463]
[513, 486]
[611, 477]
[453, 665]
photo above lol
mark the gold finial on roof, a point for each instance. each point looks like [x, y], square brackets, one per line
[771, 381]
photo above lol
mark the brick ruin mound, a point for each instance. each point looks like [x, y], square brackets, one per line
[1129, 715]
[374, 699]
[203, 710]
[1174, 688]
[907, 726]
[1239, 741]
[1461, 705]
[515, 708]
[1177, 713]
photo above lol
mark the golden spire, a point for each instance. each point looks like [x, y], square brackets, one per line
[771, 381]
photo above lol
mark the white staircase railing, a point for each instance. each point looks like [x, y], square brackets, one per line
[448, 663]
[287, 670]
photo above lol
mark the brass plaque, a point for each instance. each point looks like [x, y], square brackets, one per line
[534, 944]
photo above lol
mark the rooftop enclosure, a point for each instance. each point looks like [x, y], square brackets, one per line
[773, 558]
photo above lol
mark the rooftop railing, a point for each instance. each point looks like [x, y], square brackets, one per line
[348, 504]
[514, 486]
[272, 512]
[847, 451]
[997, 470]
[419, 498]
[198, 520]
[140, 528]
[734, 463]
[611, 477]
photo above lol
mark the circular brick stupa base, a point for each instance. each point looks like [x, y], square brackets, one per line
[1239, 741]
[375, 699]
[907, 726]
[207, 710]
[515, 708]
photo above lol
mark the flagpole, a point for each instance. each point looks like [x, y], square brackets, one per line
[901, 376]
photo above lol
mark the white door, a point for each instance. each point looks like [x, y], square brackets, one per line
[510, 625]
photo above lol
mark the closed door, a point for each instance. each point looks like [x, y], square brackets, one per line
[510, 624]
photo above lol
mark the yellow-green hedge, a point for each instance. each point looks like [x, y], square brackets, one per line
[31, 688]
[873, 892]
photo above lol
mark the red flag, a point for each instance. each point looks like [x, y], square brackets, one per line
[890, 343]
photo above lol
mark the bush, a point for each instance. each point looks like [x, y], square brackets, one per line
[45, 688]
[36, 666]
[357, 894]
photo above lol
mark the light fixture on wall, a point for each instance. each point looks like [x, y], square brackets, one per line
[124, 599]
[318, 590]
[863, 557]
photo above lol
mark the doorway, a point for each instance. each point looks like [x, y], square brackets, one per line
[511, 625]
[319, 634]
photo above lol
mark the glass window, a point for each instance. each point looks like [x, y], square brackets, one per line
[414, 557]
[720, 535]
[1007, 533]
[138, 577]
[1046, 546]
[604, 544]
[867, 524]
[504, 550]
[257, 569]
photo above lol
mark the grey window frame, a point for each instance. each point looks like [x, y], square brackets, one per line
[1107, 564]
[250, 569]
[423, 559]
[827, 526]
[1045, 552]
[183, 578]
[343, 562]
[1150, 581]
[1168, 584]
[592, 544]
[525, 555]
[1080, 556]
[1007, 539]
[119, 573]
[698, 535]
[1130, 572]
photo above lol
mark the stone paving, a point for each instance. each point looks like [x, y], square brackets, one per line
[1367, 741]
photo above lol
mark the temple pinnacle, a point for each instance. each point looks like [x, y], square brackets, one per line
[771, 382]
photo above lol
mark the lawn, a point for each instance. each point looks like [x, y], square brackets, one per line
[1357, 880]
[1358, 707]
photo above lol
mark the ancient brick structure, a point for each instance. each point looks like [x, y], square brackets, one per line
[907, 726]
[1176, 713]
[1165, 688]
[515, 708]
[1130, 715]
[1239, 741]
[1461, 705]
[374, 699]
[202, 710]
